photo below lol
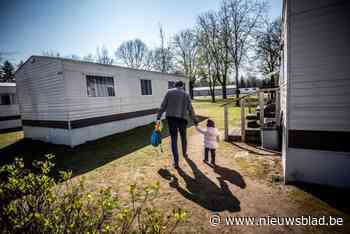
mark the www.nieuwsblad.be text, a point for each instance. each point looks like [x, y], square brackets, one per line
[216, 220]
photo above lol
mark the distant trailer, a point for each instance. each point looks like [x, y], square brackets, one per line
[230, 90]
[69, 102]
[10, 119]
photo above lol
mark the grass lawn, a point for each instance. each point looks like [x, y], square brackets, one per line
[215, 111]
[243, 184]
[10, 138]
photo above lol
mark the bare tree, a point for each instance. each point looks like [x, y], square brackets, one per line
[210, 57]
[268, 48]
[244, 18]
[205, 71]
[133, 53]
[102, 56]
[209, 39]
[149, 60]
[163, 58]
[186, 48]
[162, 48]
[224, 42]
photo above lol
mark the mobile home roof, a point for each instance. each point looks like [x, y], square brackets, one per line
[97, 64]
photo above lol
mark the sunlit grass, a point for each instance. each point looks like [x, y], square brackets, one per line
[10, 138]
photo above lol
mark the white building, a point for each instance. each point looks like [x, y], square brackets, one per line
[70, 102]
[10, 119]
[230, 91]
[315, 91]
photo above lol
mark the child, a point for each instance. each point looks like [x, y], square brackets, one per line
[211, 138]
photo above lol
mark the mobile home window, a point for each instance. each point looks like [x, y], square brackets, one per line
[146, 87]
[8, 99]
[100, 86]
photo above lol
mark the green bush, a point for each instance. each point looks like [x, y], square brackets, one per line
[33, 202]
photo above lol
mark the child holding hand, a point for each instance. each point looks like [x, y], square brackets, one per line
[211, 139]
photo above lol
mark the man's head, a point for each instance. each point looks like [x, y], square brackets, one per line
[179, 84]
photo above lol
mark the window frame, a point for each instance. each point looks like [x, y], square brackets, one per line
[107, 86]
[12, 99]
[147, 84]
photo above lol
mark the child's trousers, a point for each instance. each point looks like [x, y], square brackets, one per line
[206, 155]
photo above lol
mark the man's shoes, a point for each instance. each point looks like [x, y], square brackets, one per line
[186, 155]
[173, 182]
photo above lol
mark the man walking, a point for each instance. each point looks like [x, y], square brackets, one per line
[177, 104]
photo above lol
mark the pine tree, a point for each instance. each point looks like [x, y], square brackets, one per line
[8, 74]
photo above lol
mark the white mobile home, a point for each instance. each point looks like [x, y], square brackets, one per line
[10, 119]
[70, 102]
[315, 91]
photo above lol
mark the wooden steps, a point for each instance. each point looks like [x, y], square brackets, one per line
[252, 135]
[235, 135]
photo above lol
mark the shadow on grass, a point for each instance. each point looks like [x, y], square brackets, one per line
[203, 191]
[337, 198]
[85, 157]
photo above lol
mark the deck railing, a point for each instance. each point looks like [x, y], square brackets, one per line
[244, 102]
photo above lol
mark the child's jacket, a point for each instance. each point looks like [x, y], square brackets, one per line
[211, 137]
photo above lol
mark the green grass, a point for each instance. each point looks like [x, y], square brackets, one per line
[10, 138]
[215, 111]
[92, 155]
[82, 158]
[127, 157]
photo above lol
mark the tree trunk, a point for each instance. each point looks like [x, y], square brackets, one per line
[224, 93]
[237, 85]
[191, 84]
[213, 96]
[212, 91]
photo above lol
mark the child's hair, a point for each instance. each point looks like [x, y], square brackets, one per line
[210, 123]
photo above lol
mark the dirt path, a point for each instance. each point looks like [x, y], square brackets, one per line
[241, 185]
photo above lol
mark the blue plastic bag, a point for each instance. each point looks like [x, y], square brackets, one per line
[156, 138]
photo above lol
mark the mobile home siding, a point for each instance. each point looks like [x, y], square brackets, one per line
[127, 88]
[317, 97]
[41, 90]
[40, 86]
[283, 83]
[10, 119]
[320, 55]
[129, 108]
[57, 108]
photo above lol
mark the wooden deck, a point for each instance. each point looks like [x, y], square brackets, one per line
[235, 135]
[252, 135]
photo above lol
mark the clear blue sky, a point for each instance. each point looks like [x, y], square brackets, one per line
[78, 26]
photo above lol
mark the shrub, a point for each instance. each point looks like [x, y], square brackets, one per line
[31, 202]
